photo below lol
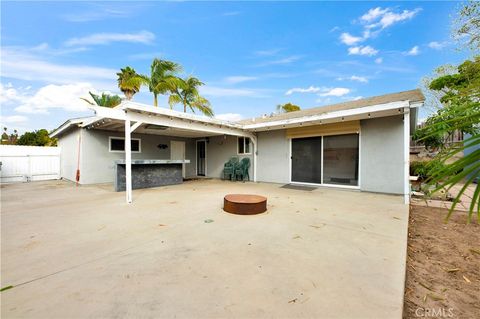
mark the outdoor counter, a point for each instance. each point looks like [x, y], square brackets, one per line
[149, 173]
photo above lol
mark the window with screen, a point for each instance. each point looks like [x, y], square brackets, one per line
[117, 144]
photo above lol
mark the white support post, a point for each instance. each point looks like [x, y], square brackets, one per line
[128, 161]
[255, 157]
[406, 155]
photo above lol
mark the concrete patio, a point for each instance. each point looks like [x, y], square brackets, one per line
[82, 252]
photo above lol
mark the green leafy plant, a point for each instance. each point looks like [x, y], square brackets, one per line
[105, 100]
[162, 77]
[461, 111]
[37, 138]
[185, 92]
[129, 82]
[288, 107]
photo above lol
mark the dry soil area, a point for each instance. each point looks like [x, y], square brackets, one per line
[443, 265]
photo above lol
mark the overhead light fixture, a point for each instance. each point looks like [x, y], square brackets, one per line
[155, 127]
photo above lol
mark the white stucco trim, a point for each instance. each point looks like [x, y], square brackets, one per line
[406, 155]
[330, 115]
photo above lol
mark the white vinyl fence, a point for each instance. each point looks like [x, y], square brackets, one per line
[29, 163]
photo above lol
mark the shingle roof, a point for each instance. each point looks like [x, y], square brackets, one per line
[412, 96]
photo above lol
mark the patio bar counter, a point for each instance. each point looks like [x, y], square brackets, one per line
[149, 173]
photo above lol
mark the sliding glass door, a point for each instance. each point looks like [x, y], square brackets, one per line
[340, 159]
[326, 160]
[307, 160]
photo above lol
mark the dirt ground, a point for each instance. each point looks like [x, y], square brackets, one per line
[443, 265]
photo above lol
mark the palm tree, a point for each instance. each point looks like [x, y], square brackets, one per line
[129, 82]
[287, 107]
[185, 91]
[105, 100]
[162, 77]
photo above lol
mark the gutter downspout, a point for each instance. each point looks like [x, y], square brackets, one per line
[77, 174]
[406, 155]
[255, 156]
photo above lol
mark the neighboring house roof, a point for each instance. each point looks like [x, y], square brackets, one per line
[412, 96]
[378, 106]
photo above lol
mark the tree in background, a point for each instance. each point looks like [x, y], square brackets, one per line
[37, 138]
[5, 136]
[287, 107]
[460, 98]
[105, 100]
[455, 91]
[9, 139]
[162, 77]
[466, 26]
[129, 82]
[185, 91]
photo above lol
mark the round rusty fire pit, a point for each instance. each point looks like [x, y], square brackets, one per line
[244, 204]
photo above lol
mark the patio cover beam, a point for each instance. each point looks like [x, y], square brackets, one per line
[327, 116]
[128, 157]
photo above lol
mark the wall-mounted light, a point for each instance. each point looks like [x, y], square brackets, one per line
[162, 146]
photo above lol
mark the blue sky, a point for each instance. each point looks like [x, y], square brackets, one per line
[251, 55]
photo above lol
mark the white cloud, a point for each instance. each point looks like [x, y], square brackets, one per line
[413, 51]
[215, 91]
[357, 78]
[65, 97]
[356, 98]
[232, 117]
[378, 60]
[321, 91]
[267, 52]
[239, 79]
[335, 92]
[144, 37]
[21, 64]
[311, 89]
[9, 94]
[103, 11]
[323, 100]
[231, 13]
[286, 60]
[145, 55]
[362, 50]
[13, 119]
[349, 39]
[437, 45]
[373, 14]
[386, 17]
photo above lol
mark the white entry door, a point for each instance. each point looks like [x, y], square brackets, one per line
[177, 152]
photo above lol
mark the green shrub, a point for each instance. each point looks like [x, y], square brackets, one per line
[424, 169]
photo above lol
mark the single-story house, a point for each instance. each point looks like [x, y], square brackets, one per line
[362, 144]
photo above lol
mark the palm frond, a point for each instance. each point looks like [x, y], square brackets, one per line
[174, 99]
[82, 98]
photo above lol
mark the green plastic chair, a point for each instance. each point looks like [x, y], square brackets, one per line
[229, 168]
[242, 169]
